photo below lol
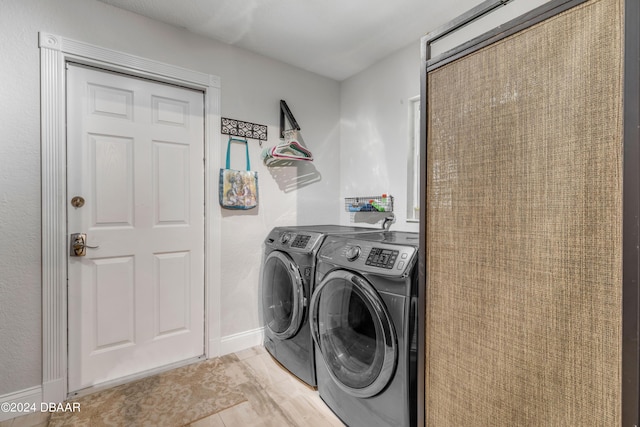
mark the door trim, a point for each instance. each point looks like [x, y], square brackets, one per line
[55, 53]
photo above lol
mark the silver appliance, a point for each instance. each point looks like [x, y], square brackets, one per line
[287, 281]
[363, 320]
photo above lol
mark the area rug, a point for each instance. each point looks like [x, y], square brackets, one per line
[174, 398]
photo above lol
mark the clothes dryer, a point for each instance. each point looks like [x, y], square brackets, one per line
[287, 280]
[363, 320]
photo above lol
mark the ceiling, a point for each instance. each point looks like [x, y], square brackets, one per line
[334, 38]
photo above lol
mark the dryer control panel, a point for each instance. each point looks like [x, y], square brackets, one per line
[301, 241]
[293, 240]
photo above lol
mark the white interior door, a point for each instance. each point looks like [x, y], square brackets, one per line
[135, 155]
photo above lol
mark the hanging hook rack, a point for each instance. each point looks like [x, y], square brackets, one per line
[285, 111]
[233, 127]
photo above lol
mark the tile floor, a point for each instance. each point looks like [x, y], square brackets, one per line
[277, 399]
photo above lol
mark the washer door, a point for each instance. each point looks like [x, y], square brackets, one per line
[283, 298]
[351, 326]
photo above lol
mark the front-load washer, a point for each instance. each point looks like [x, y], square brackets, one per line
[363, 320]
[287, 280]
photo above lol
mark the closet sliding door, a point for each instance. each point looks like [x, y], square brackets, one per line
[523, 254]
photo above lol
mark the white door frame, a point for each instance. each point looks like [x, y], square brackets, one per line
[55, 52]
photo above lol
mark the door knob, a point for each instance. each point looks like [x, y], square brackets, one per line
[79, 245]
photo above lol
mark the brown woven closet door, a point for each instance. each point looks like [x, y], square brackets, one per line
[524, 211]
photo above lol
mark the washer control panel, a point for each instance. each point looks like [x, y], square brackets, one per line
[372, 257]
[383, 258]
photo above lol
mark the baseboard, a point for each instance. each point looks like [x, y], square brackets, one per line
[21, 400]
[54, 391]
[241, 341]
[214, 348]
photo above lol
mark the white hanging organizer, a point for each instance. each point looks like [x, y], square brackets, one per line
[291, 149]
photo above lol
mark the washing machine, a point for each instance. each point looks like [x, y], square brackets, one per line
[287, 280]
[363, 320]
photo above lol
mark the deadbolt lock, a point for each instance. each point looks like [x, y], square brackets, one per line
[77, 202]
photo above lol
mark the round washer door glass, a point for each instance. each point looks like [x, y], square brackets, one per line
[352, 328]
[282, 295]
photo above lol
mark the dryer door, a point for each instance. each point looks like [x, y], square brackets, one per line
[283, 297]
[354, 332]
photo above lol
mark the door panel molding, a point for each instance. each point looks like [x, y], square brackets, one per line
[55, 53]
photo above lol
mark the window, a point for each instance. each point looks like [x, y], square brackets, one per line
[413, 184]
